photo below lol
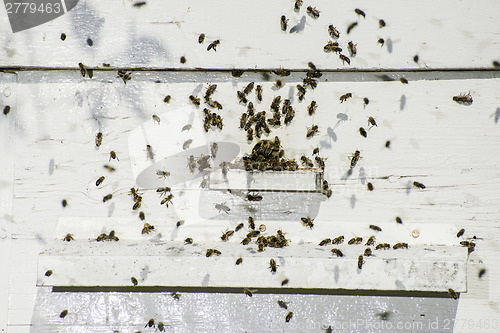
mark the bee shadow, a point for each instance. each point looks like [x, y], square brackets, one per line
[331, 134]
[362, 175]
[51, 167]
[347, 175]
[353, 201]
[497, 115]
[408, 187]
[111, 209]
[299, 26]
[402, 102]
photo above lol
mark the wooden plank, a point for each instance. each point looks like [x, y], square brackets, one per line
[158, 34]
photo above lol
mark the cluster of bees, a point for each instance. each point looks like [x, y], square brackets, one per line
[268, 155]
[105, 237]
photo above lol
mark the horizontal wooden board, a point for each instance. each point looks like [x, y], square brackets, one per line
[452, 35]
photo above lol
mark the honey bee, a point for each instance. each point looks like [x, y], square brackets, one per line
[460, 232]
[250, 134]
[272, 265]
[301, 93]
[279, 84]
[248, 292]
[284, 282]
[102, 237]
[211, 252]
[465, 99]
[142, 216]
[258, 90]
[124, 76]
[161, 327]
[325, 241]
[355, 241]
[214, 104]
[321, 164]
[241, 97]
[6, 110]
[351, 26]
[83, 69]
[398, 220]
[368, 252]
[98, 139]
[315, 151]
[282, 72]
[381, 23]
[243, 120]
[147, 228]
[112, 155]
[134, 281]
[149, 152]
[298, 4]
[307, 162]
[403, 80]
[225, 235]
[107, 197]
[344, 97]
[112, 236]
[313, 12]
[284, 23]
[191, 164]
[344, 59]
[290, 314]
[360, 12]
[363, 132]
[64, 203]
[254, 197]
[68, 238]
[163, 190]
[419, 185]
[210, 91]
[468, 244]
[246, 241]
[352, 48]
[238, 227]
[415, 59]
[188, 240]
[183, 60]
[388, 144]
[162, 173]
[482, 271]
[167, 200]
[381, 41]
[213, 45]
[400, 246]
[337, 252]
[156, 119]
[253, 233]
[374, 227]
[334, 33]
[370, 241]
[307, 221]
[311, 109]
[248, 89]
[222, 207]
[338, 240]
[283, 304]
[383, 246]
[332, 47]
[151, 323]
[48, 273]
[63, 314]
[237, 72]
[251, 223]
[452, 293]
[194, 100]
[201, 38]
[360, 261]
[355, 158]
[372, 122]
[167, 99]
[366, 101]
[311, 131]
[186, 144]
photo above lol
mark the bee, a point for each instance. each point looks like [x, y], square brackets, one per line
[107, 197]
[460, 232]
[241, 97]
[360, 12]
[83, 69]
[325, 241]
[186, 144]
[398, 220]
[135, 194]
[222, 207]
[355, 158]
[258, 90]
[311, 131]
[142, 216]
[419, 185]
[167, 200]
[352, 48]
[362, 131]
[344, 97]
[213, 45]
[156, 119]
[183, 60]
[250, 134]
[465, 99]
[338, 240]
[334, 33]
[246, 241]
[63, 314]
[147, 228]
[214, 104]
[355, 241]
[64, 203]
[301, 92]
[332, 47]
[149, 152]
[468, 244]
[370, 241]
[366, 101]
[351, 26]
[151, 323]
[315, 151]
[381, 23]
[225, 235]
[321, 163]
[112, 236]
[209, 253]
[290, 314]
[161, 327]
[248, 292]
[452, 293]
[253, 233]
[210, 91]
[482, 271]
[112, 155]
[311, 109]
[6, 110]
[283, 304]
[381, 41]
[278, 84]
[372, 122]
[134, 281]
[237, 72]
[360, 261]
[403, 80]
[68, 238]
[188, 240]
[400, 246]
[248, 89]
[251, 223]
[243, 120]
[48, 273]
[344, 59]
[167, 99]
[194, 100]
[388, 144]
[307, 221]
[284, 23]
[254, 197]
[238, 227]
[337, 252]
[272, 265]
[98, 139]
[124, 76]
[374, 227]
[415, 59]
[298, 4]
[201, 38]
[368, 252]
[313, 12]
[383, 246]
[162, 173]
[282, 72]
[307, 162]
[102, 237]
